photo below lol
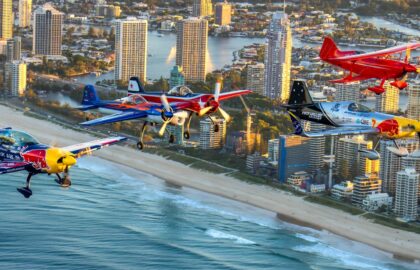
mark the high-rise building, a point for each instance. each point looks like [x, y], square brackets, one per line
[16, 78]
[348, 92]
[363, 186]
[388, 102]
[412, 161]
[191, 48]
[350, 162]
[278, 58]
[47, 28]
[13, 51]
[108, 11]
[130, 49]
[6, 19]
[316, 145]
[223, 13]
[293, 156]
[202, 8]
[391, 163]
[255, 78]
[177, 77]
[25, 13]
[406, 200]
[210, 137]
[414, 100]
[273, 150]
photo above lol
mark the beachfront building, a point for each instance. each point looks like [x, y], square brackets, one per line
[177, 77]
[391, 163]
[130, 49]
[108, 11]
[255, 78]
[14, 50]
[412, 161]
[373, 202]
[347, 92]
[298, 178]
[350, 162]
[342, 191]
[273, 150]
[47, 31]
[253, 162]
[191, 48]
[223, 13]
[25, 13]
[364, 186]
[15, 78]
[202, 8]
[293, 156]
[388, 102]
[406, 194]
[6, 19]
[414, 100]
[212, 137]
[278, 58]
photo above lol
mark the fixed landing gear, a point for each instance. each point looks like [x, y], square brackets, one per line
[216, 128]
[140, 144]
[186, 135]
[26, 191]
[63, 181]
[171, 138]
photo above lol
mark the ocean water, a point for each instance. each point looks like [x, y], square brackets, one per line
[110, 220]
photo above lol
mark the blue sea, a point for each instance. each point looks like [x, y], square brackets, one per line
[110, 220]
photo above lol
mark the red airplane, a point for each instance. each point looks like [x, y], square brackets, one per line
[198, 103]
[373, 65]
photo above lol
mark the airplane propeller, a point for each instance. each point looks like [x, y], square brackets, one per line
[215, 105]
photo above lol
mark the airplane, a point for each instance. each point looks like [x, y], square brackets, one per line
[348, 118]
[135, 107]
[20, 151]
[201, 104]
[373, 65]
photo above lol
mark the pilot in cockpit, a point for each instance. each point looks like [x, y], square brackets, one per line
[180, 90]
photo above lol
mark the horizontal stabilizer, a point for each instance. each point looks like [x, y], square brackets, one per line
[118, 117]
[340, 131]
[86, 107]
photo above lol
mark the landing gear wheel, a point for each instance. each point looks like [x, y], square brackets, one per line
[171, 138]
[216, 128]
[140, 145]
[186, 135]
[63, 182]
[26, 192]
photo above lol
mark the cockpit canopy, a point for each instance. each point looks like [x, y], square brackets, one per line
[16, 138]
[180, 90]
[355, 107]
[134, 100]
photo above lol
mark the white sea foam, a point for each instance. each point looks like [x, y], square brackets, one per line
[307, 237]
[222, 235]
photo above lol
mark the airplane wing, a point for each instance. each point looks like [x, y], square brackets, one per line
[118, 117]
[82, 149]
[12, 166]
[349, 79]
[340, 131]
[393, 50]
[232, 94]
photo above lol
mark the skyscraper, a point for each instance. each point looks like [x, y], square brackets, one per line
[13, 51]
[348, 92]
[47, 28]
[350, 162]
[177, 77]
[412, 161]
[16, 78]
[223, 13]
[209, 137]
[191, 48]
[391, 163]
[293, 156]
[202, 8]
[414, 100]
[278, 58]
[255, 78]
[388, 102]
[363, 186]
[25, 13]
[6, 19]
[130, 49]
[406, 194]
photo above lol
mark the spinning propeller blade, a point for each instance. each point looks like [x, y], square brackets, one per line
[204, 110]
[165, 103]
[224, 114]
[163, 128]
[217, 91]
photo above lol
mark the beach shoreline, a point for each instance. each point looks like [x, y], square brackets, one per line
[401, 244]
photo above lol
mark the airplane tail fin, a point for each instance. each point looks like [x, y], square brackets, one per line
[329, 49]
[90, 97]
[300, 96]
[135, 86]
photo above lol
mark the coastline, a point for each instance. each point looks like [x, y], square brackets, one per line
[290, 208]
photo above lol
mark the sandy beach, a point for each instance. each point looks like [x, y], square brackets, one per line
[292, 208]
